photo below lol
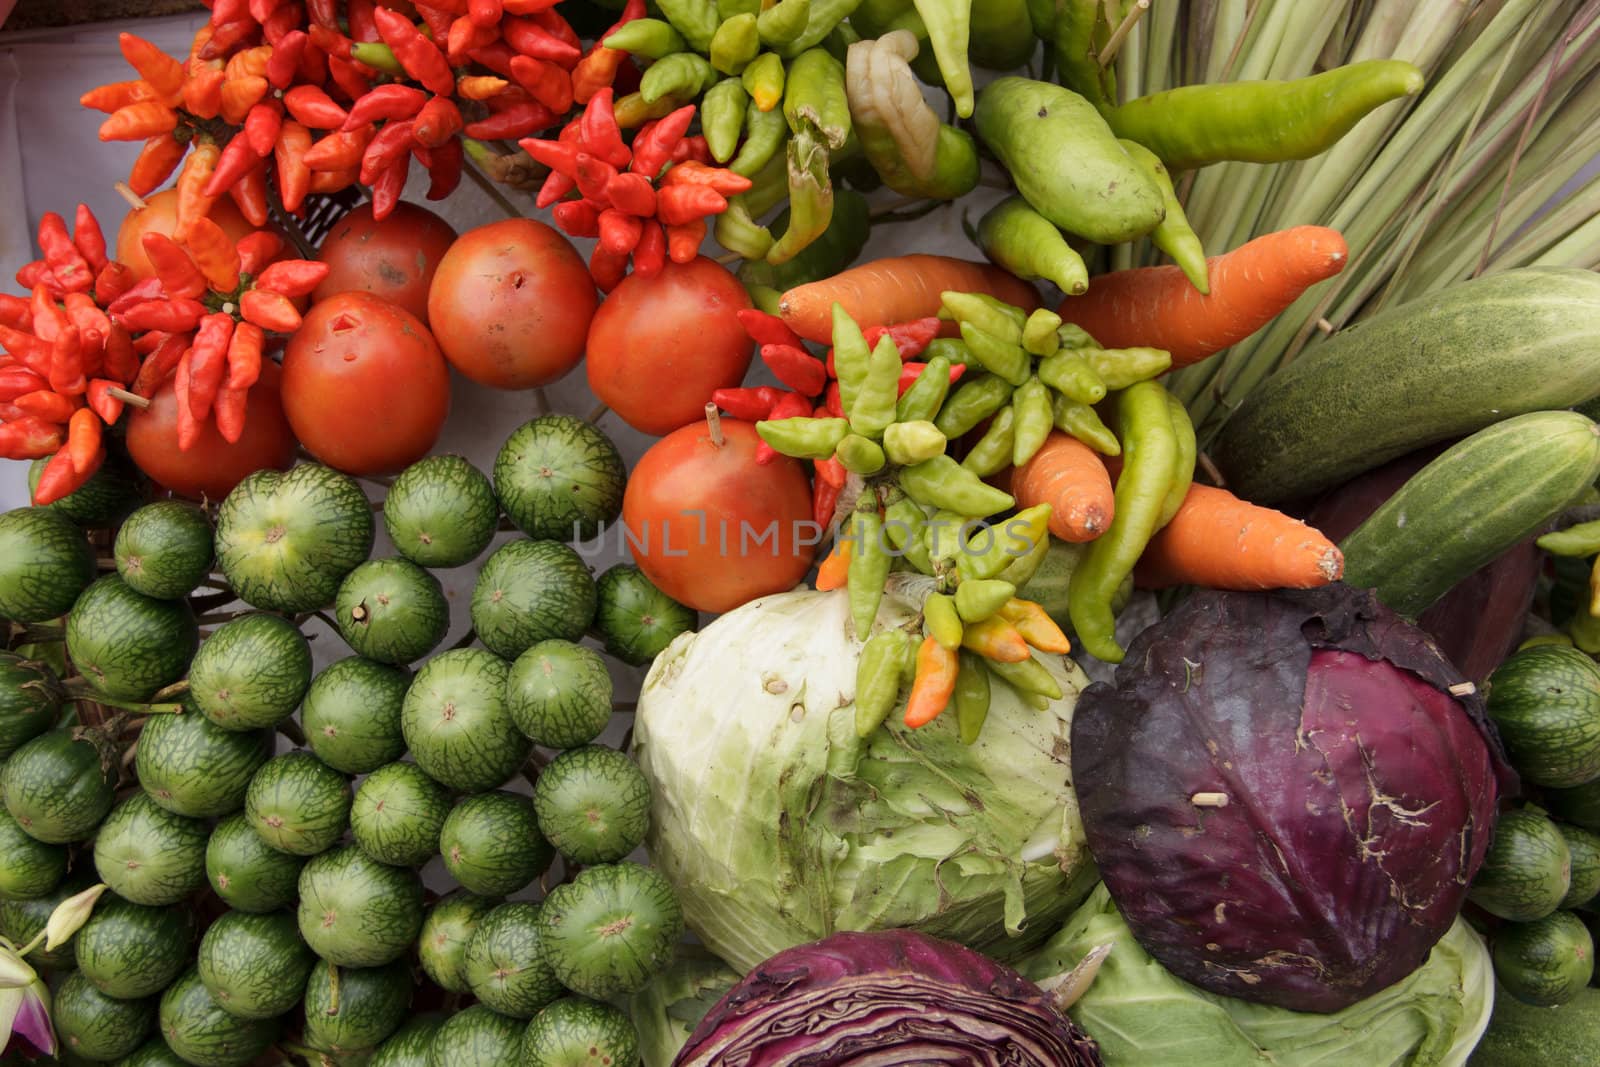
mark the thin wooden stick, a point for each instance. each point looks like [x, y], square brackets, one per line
[1120, 34]
[131, 399]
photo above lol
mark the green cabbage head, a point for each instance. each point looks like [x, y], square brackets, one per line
[1141, 1014]
[777, 825]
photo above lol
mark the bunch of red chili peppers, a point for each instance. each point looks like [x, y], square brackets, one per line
[92, 338]
[813, 387]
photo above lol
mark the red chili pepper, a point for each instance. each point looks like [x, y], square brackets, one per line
[261, 127]
[236, 159]
[463, 37]
[497, 57]
[262, 10]
[751, 404]
[176, 315]
[330, 41]
[361, 15]
[684, 240]
[193, 203]
[527, 7]
[37, 275]
[555, 186]
[419, 56]
[352, 79]
[26, 349]
[208, 362]
[66, 262]
[833, 400]
[767, 329]
[533, 40]
[225, 11]
[202, 93]
[313, 108]
[250, 195]
[48, 318]
[438, 121]
[270, 311]
[619, 232]
[160, 364]
[19, 381]
[14, 312]
[102, 403]
[692, 172]
[177, 271]
[26, 437]
[287, 19]
[631, 193]
[650, 257]
[796, 368]
[545, 82]
[83, 441]
[599, 133]
[286, 55]
[389, 146]
[445, 166]
[294, 177]
[339, 150]
[520, 120]
[239, 95]
[484, 12]
[333, 181]
[293, 277]
[596, 72]
[137, 293]
[112, 281]
[577, 218]
[89, 239]
[910, 338]
[229, 410]
[114, 95]
[164, 73]
[58, 479]
[157, 160]
[692, 149]
[677, 204]
[824, 499]
[593, 176]
[387, 187]
[121, 362]
[258, 249]
[393, 101]
[560, 156]
[226, 36]
[93, 325]
[244, 356]
[655, 142]
[558, 27]
[606, 269]
[66, 363]
[323, 12]
[438, 18]
[188, 423]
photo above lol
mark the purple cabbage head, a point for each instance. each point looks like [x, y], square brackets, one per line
[889, 997]
[1284, 798]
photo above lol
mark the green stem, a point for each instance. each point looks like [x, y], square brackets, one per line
[92, 697]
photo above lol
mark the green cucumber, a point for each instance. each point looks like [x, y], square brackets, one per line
[1439, 367]
[1469, 505]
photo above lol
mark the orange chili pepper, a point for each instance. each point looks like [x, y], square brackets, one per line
[721, 179]
[138, 122]
[250, 195]
[239, 95]
[340, 150]
[164, 73]
[933, 684]
[215, 254]
[293, 277]
[114, 95]
[188, 425]
[83, 441]
[836, 568]
[294, 177]
[176, 269]
[102, 403]
[480, 86]
[229, 410]
[258, 249]
[1035, 625]
[202, 93]
[157, 160]
[678, 204]
[596, 71]
[332, 181]
[684, 240]
[208, 362]
[59, 478]
[249, 63]
[244, 357]
[996, 639]
[437, 122]
[192, 201]
[270, 311]
[46, 404]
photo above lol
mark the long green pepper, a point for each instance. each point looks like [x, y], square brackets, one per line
[878, 677]
[872, 409]
[992, 453]
[763, 79]
[1122, 367]
[825, 256]
[860, 455]
[1027, 676]
[949, 24]
[810, 197]
[971, 696]
[990, 552]
[815, 96]
[1150, 449]
[1015, 236]
[924, 398]
[971, 403]
[869, 565]
[722, 117]
[764, 135]
[824, 18]
[906, 443]
[941, 482]
[998, 357]
[1081, 421]
[903, 523]
[697, 20]
[1174, 235]
[1069, 373]
[784, 22]
[851, 356]
[1182, 462]
[989, 314]
[803, 437]
[1035, 418]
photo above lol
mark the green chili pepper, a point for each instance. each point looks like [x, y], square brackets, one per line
[878, 676]
[851, 356]
[922, 401]
[970, 404]
[971, 696]
[1080, 29]
[1074, 336]
[1262, 121]
[722, 118]
[810, 197]
[1066, 162]
[1122, 367]
[1035, 418]
[872, 409]
[944, 537]
[735, 44]
[912, 442]
[980, 598]
[1174, 236]
[1150, 449]
[680, 74]
[814, 96]
[1039, 336]
[1183, 462]
[1080, 421]
[727, 9]
[949, 28]
[769, 186]
[378, 56]
[784, 22]
[989, 552]
[766, 298]
[697, 20]
[1027, 676]
[651, 38]
[941, 482]
[764, 134]
[1027, 244]
[763, 80]
[824, 257]
[1002, 36]
[803, 438]
[1069, 373]
[739, 233]
[1580, 540]
[839, 40]
[953, 349]
[1001, 358]
[903, 523]
[825, 15]
[992, 453]
[994, 317]
[869, 565]
[859, 454]
[1020, 570]
[941, 620]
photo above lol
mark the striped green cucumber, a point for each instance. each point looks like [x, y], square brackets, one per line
[1429, 370]
[1479, 498]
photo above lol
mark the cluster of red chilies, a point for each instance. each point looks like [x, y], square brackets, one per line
[813, 387]
[623, 198]
[92, 337]
[332, 104]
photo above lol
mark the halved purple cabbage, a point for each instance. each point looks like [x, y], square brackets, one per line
[881, 999]
[1360, 793]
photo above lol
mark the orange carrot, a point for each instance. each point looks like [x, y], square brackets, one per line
[898, 289]
[1158, 307]
[933, 684]
[1220, 541]
[835, 569]
[1069, 476]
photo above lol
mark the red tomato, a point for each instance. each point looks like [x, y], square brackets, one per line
[712, 527]
[160, 214]
[212, 466]
[660, 346]
[511, 303]
[394, 258]
[364, 385]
